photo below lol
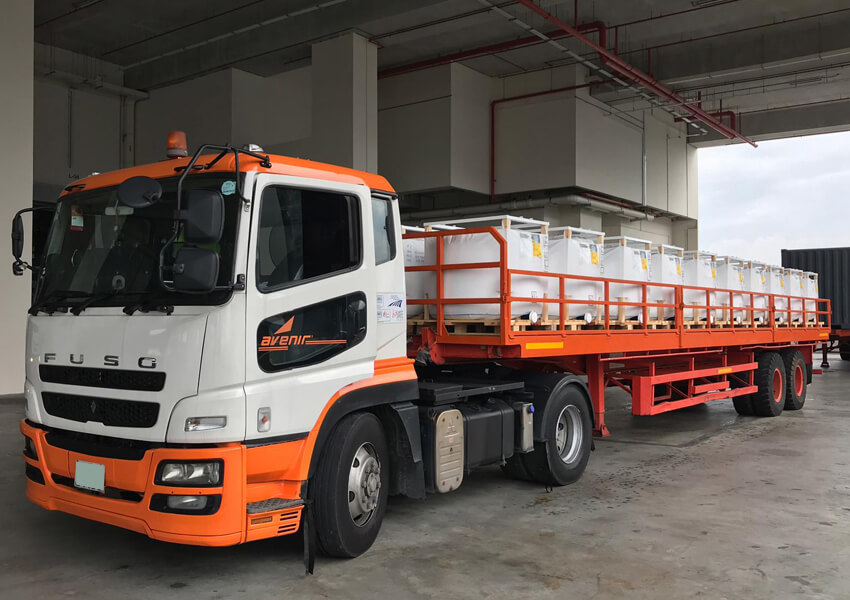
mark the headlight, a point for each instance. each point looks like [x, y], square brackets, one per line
[190, 474]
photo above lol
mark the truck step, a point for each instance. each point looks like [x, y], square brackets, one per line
[270, 505]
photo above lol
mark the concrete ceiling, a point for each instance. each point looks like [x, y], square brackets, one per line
[742, 55]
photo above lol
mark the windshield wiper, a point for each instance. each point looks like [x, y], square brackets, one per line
[51, 303]
[149, 306]
[76, 310]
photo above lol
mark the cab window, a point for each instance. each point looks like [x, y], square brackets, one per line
[306, 235]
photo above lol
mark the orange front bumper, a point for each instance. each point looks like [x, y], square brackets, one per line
[134, 480]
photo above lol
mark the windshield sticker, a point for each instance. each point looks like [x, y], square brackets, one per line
[390, 308]
[228, 188]
[76, 219]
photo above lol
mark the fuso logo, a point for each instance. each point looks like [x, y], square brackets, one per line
[283, 339]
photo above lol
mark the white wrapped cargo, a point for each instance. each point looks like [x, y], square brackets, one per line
[810, 290]
[794, 282]
[526, 248]
[730, 276]
[575, 251]
[415, 282]
[666, 268]
[700, 270]
[776, 285]
[755, 281]
[626, 258]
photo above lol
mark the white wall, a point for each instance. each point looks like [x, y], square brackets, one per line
[657, 231]
[271, 111]
[470, 129]
[414, 129]
[201, 107]
[608, 152]
[16, 169]
[77, 128]
[535, 143]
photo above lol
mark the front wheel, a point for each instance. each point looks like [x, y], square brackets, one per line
[349, 490]
[566, 427]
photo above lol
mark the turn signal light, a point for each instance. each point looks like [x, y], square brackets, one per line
[177, 145]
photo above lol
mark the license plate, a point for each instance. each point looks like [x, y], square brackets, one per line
[90, 476]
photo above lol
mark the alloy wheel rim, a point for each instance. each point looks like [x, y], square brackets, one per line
[569, 434]
[364, 484]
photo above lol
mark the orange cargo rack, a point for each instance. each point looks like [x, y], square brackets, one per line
[701, 356]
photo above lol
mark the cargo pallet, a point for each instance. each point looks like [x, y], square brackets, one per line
[663, 364]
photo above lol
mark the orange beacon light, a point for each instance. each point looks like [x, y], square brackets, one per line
[177, 146]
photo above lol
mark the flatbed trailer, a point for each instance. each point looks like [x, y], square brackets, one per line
[664, 364]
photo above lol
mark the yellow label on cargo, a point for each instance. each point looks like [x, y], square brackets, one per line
[594, 258]
[713, 273]
[801, 284]
[536, 249]
[643, 263]
[782, 283]
[678, 268]
[762, 279]
[740, 278]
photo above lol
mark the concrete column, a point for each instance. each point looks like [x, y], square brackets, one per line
[16, 160]
[345, 102]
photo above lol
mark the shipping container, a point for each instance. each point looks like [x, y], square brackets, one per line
[833, 268]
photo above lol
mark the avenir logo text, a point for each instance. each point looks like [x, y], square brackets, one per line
[283, 339]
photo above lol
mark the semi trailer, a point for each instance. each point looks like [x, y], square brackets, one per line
[218, 351]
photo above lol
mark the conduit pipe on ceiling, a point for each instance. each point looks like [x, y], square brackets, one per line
[597, 203]
[94, 84]
[728, 114]
[639, 77]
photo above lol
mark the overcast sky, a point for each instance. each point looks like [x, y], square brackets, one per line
[792, 193]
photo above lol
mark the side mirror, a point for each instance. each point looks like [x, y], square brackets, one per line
[195, 270]
[203, 216]
[17, 237]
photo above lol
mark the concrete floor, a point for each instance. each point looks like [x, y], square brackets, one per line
[699, 503]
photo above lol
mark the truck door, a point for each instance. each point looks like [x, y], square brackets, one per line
[311, 293]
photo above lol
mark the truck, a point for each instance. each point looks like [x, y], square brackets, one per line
[218, 352]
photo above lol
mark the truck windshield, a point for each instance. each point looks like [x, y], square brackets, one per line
[103, 253]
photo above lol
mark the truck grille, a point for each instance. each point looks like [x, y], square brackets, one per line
[119, 379]
[110, 412]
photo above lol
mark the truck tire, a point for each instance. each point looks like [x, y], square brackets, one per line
[769, 400]
[562, 457]
[350, 488]
[795, 378]
[844, 351]
[743, 404]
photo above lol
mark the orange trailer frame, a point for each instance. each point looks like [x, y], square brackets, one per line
[679, 365]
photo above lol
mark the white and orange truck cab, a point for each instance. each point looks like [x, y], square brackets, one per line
[217, 353]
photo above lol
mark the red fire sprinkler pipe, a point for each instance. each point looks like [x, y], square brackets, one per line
[531, 40]
[638, 76]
